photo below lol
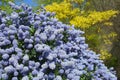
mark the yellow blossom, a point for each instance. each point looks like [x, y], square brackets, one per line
[104, 54]
[92, 18]
[63, 10]
[76, 1]
[108, 23]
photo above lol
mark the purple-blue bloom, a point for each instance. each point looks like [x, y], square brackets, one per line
[39, 47]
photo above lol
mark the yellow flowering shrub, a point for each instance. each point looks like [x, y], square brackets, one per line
[108, 23]
[81, 21]
[90, 21]
[105, 54]
[63, 10]
[76, 1]
[107, 38]
[92, 18]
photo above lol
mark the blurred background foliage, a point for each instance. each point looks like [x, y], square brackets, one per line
[96, 17]
[4, 5]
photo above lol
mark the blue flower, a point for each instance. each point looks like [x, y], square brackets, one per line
[39, 47]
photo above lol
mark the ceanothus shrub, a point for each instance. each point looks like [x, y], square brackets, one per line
[39, 47]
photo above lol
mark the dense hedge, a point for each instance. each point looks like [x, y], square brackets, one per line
[39, 47]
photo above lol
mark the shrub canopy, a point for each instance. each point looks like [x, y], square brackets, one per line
[39, 47]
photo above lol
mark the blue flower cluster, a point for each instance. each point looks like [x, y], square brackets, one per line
[39, 47]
